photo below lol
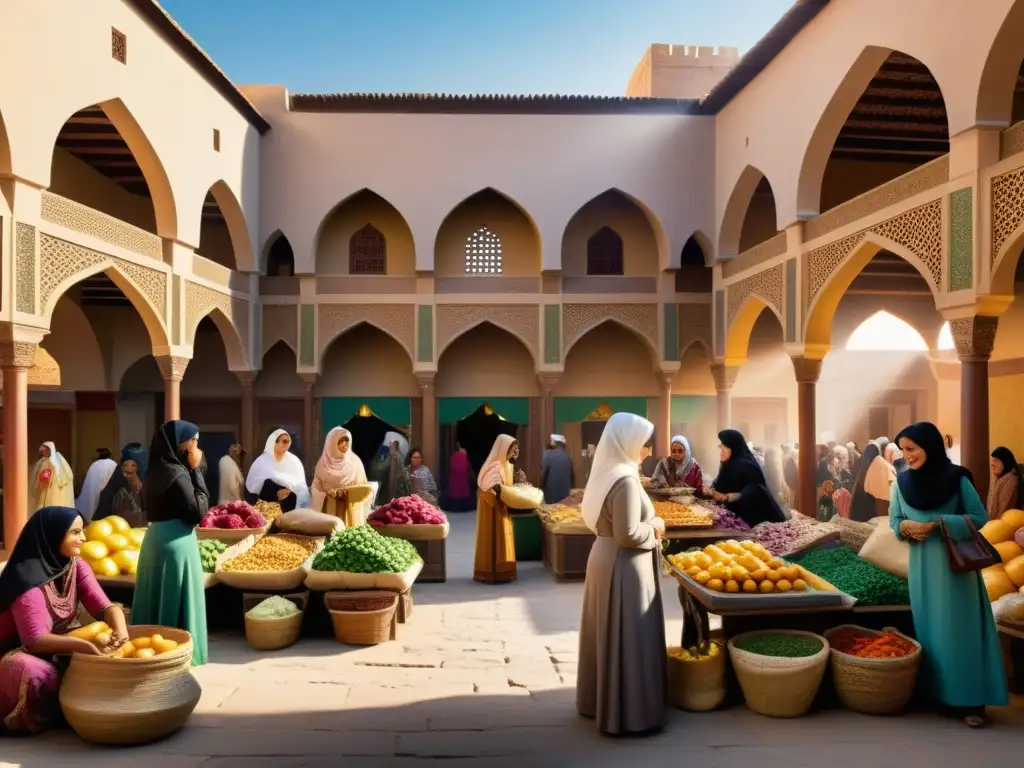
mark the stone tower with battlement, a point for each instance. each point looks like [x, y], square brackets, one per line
[680, 71]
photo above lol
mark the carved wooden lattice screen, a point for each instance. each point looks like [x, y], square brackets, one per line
[604, 252]
[367, 252]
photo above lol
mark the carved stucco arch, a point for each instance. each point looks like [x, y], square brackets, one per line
[519, 320]
[579, 319]
[731, 229]
[695, 323]
[396, 320]
[1002, 66]
[661, 239]
[63, 264]
[229, 313]
[238, 228]
[280, 322]
[855, 253]
[741, 326]
[338, 206]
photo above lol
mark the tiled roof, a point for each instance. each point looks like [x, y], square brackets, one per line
[490, 103]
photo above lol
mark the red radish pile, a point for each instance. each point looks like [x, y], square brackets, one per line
[234, 515]
[407, 510]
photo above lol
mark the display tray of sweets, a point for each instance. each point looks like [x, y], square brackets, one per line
[678, 515]
[744, 576]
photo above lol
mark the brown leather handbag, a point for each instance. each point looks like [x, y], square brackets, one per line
[973, 553]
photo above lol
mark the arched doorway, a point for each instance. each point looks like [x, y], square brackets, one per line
[365, 235]
[279, 257]
[694, 274]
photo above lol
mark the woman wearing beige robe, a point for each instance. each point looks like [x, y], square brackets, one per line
[494, 559]
[52, 482]
[621, 679]
[339, 481]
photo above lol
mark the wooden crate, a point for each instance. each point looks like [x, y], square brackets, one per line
[565, 555]
[435, 560]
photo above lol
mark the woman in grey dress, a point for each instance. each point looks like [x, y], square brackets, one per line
[621, 680]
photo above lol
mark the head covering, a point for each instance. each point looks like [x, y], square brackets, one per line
[892, 452]
[36, 559]
[58, 462]
[881, 442]
[167, 465]
[687, 463]
[335, 469]
[137, 453]
[617, 456]
[96, 479]
[1006, 456]
[558, 440]
[288, 472]
[497, 469]
[741, 468]
[936, 481]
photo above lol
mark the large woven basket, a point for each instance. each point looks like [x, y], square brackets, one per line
[874, 686]
[778, 686]
[697, 686]
[362, 627]
[131, 701]
[273, 634]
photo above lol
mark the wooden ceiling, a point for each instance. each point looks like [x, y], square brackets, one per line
[91, 137]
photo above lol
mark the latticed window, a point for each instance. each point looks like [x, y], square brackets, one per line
[483, 253]
[368, 252]
[604, 252]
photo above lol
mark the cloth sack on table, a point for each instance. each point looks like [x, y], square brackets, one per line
[309, 522]
[886, 551]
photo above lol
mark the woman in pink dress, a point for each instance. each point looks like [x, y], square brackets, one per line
[40, 589]
[459, 494]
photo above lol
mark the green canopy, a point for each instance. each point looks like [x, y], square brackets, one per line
[335, 411]
[574, 409]
[513, 409]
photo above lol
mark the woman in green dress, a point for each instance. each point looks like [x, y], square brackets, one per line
[962, 664]
[169, 586]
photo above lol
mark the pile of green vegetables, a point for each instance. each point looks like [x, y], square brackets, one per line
[363, 550]
[274, 607]
[209, 551]
[849, 573]
[779, 644]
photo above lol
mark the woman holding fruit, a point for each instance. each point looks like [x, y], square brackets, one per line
[494, 559]
[338, 470]
[622, 661]
[963, 666]
[278, 475]
[40, 589]
[169, 587]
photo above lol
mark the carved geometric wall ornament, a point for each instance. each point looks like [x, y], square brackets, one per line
[1007, 207]
[60, 260]
[522, 320]
[25, 267]
[397, 320]
[822, 262]
[578, 319]
[280, 323]
[89, 221]
[766, 285]
[200, 301]
[694, 326]
[172, 368]
[974, 337]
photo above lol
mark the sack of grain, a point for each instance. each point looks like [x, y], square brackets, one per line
[309, 522]
[886, 551]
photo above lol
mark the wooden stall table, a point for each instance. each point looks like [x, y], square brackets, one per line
[566, 554]
[1011, 639]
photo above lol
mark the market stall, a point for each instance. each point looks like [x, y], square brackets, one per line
[424, 526]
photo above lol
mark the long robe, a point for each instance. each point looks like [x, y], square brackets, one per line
[962, 664]
[556, 475]
[621, 680]
[59, 492]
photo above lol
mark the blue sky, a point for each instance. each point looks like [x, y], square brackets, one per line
[459, 46]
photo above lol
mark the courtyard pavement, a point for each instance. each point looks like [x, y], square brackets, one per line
[485, 676]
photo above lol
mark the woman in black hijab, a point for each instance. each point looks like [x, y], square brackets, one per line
[962, 667]
[740, 484]
[122, 495]
[862, 506]
[169, 588]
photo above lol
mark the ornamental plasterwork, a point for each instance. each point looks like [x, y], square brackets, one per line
[280, 323]
[25, 266]
[578, 319]
[172, 368]
[60, 260]
[974, 337]
[88, 221]
[1011, 141]
[766, 285]
[396, 320]
[522, 320]
[694, 326]
[1007, 207]
[200, 301]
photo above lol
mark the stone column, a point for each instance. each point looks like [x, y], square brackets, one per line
[428, 440]
[173, 370]
[974, 338]
[663, 426]
[248, 437]
[308, 439]
[15, 358]
[725, 377]
[548, 427]
[807, 372]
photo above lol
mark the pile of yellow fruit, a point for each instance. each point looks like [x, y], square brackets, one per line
[112, 546]
[739, 566]
[99, 634]
[693, 652]
[680, 515]
[560, 514]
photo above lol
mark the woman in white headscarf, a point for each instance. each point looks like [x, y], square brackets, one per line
[339, 480]
[388, 468]
[95, 481]
[53, 484]
[679, 468]
[277, 475]
[621, 680]
[495, 558]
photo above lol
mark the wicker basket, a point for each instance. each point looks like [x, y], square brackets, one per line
[778, 686]
[231, 535]
[874, 686]
[362, 627]
[131, 701]
[697, 686]
[273, 634]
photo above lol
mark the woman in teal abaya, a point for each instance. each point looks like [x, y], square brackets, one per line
[962, 666]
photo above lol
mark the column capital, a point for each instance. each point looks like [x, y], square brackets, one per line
[172, 367]
[807, 369]
[309, 380]
[17, 354]
[974, 337]
[425, 381]
[548, 382]
[246, 378]
[665, 378]
[724, 375]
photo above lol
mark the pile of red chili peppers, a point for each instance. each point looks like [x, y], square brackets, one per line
[886, 645]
